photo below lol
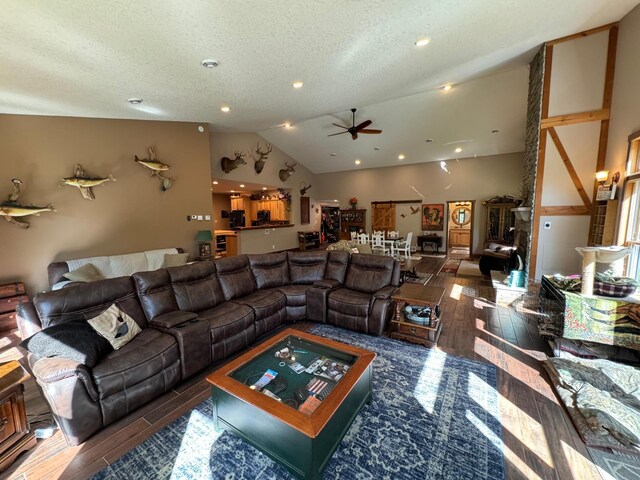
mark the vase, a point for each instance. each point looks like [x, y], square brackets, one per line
[354, 206]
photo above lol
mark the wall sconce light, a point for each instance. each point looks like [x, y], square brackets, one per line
[602, 176]
[616, 177]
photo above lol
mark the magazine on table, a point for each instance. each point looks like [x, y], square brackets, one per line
[332, 369]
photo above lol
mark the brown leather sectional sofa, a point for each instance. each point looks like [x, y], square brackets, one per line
[194, 315]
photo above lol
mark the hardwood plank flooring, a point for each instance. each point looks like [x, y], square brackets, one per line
[540, 442]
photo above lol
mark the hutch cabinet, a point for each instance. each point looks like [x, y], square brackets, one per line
[603, 223]
[500, 223]
[352, 221]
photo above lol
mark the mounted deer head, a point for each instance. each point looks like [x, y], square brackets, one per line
[303, 189]
[285, 173]
[228, 164]
[262, 157]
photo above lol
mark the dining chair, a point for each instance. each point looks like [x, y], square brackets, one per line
[404, 246]
[354, 236]
[393, 234]
[363, 238]
[378, 244]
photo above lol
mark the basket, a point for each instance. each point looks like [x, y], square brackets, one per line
[418, 315]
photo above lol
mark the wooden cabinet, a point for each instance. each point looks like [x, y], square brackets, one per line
[11, 295]
[15, 436]
[226, 244]
[499, 223]
[330, 225]
[459, 237]
[352, 221]
[308, 240]
[603, 223]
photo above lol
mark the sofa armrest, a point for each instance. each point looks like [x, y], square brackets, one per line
[385, 292]
[52, 370]
[172, 319]
[327, 283]
[28, 320]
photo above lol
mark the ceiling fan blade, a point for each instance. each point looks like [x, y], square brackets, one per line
[369, 130]
[341, 126]
[339, 133]
[364, 124]
[354, 135]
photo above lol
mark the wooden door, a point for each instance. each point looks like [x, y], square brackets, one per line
[383, 217]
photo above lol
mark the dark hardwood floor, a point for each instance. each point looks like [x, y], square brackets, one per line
[540, 442]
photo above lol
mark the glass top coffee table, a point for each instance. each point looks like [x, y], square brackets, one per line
[293, 397]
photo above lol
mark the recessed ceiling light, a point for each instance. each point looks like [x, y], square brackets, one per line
[135, 101]
[297, 84]
[495, 131]
[209, 63]
[428, 140]
[264, 188]
[336, 201]
[233, 191]
[400, 157]
[215, 182]
[332, 154]
[422, 42]
[446, 88]
[225, 109]
[242, 185]
[200, 128]
[458, 150]
[357, 162]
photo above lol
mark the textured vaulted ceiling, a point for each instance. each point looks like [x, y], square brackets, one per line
[87, 58]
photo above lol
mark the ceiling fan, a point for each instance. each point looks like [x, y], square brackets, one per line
[354, 130]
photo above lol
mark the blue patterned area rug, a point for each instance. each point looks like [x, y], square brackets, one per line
[433, 416]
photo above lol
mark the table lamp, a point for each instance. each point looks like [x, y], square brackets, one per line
[204, 237]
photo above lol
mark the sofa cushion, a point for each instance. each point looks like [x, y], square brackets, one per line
[175, 259]
[270, 269]
[349, 302]
[148, 354]
[116, 326]
[337, 264]
[235, 276]
[264, 302]
[296, 294]
[369, 273]
[155, 292]
[75, 340]
[307, 268]
[88, 300]
[86, 273]
[227, 319]
[196, 286]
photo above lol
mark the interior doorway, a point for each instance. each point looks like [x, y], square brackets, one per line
[460, 228]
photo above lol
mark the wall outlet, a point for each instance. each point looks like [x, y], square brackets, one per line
[273, 247]
[266, 231]
[547, 225]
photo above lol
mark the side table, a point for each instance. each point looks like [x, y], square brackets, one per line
[15, 436]
[421, 295]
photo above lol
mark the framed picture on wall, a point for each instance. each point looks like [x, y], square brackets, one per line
[433, 216]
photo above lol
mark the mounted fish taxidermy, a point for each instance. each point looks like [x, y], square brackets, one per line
[156, 169]
[85, 183]
[13, 211]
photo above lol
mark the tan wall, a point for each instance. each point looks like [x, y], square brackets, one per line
[129, 215]
[257, 241]
[470, 179]
[220, 202]
[625, 109]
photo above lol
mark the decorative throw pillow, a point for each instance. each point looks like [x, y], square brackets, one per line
[175, 259]
[86, 273]
[75, 340]
[116, 326]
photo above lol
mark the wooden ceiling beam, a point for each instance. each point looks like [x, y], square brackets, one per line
[565, 210]
[586, 33]
[573, 118]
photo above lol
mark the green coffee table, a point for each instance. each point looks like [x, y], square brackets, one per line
[301, 442]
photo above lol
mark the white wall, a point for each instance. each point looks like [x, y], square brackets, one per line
[469, 179]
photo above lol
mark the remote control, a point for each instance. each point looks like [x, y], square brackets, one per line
[315, 364]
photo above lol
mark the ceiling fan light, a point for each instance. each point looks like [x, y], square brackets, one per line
[401, 157]
[421, 42]
[297, 84]
[458, 150]
[446, 88]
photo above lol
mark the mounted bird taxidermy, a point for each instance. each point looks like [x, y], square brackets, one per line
[285, 173]
[258, 163]
[303, 188]
[354, 129]
[156, 168]
[85, 183]
[227, 164]
[13, 211]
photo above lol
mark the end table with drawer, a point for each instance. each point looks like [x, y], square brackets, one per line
[15, 436]
[416, 294]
